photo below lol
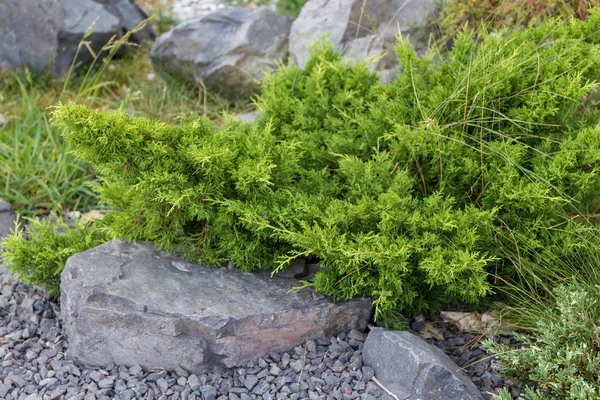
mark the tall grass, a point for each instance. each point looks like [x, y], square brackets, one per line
[529, 297]
[39, 174]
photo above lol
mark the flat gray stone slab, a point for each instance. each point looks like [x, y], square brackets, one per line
[413, 369]
[130, 304]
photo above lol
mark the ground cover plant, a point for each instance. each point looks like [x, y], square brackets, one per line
[558, 302]
[406, 193]
[562, 360]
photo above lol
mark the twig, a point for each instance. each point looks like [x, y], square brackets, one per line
[384, 388]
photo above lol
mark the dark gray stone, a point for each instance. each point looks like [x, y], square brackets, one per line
[162, 384]
[228, 50]
[47, 33]
[128, 303]
[142, 388]
[361, 29]
[7, 218]
[135, 369]
[194, 382]
[56, 393]
[250, 381]
[4, 389]
[20, 42]
[208, 392]
[106, 383]
[414, 369]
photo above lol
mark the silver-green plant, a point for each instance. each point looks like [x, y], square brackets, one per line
[562, 359]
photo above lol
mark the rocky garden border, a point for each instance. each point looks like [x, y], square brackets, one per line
[330, 363]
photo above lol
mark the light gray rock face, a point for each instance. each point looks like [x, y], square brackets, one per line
[361, 29]
[128, 303]
[7, 219]
[228, 50]
[414, 369]
[46, 33]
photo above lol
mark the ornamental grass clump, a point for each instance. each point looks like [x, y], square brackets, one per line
[405, 192]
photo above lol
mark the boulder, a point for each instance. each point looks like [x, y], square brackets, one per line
[361, 29]
[228, 50]
[7, 219]
[128, 303]
[46, 33]
[413, 369]
[28, 33]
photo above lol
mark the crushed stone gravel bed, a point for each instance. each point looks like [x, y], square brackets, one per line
[34, 367]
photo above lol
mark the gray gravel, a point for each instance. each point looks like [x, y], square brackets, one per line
[33, 365]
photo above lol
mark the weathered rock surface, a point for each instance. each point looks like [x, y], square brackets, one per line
[361, 29]
[46, 33]
[7, 219]
[414, 369]
[228, 50]
[131, 304]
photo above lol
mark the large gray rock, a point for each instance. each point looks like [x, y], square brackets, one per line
[28, 33]
[414, 369]
[131, 304]
[361, 29]
[228, 50]
[46, 33]
[7, 219]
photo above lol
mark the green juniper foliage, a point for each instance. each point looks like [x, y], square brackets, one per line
[404, 192]
[563, 359]
[38, 253]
